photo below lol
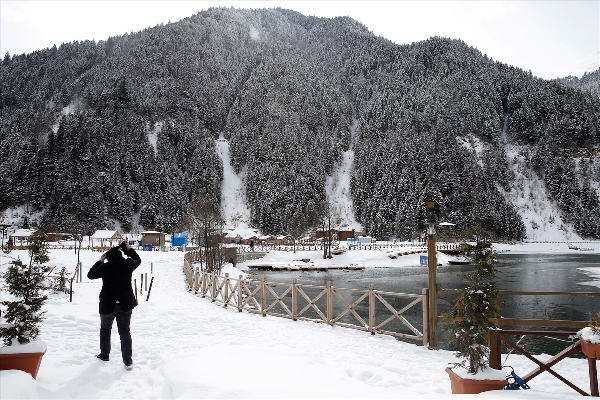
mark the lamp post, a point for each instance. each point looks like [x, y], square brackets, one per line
[432, 267]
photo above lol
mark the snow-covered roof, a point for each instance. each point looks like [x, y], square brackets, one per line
[106, 234]
[446, 224]
[152, 232]
[23, 233]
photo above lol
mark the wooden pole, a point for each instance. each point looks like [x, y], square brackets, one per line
[71, 290]
[294, 300]
[371, 309]
[213, 286]
[149, 290]
[263, 300]
[425, 294]
[432, 266]
[240, 292]
[593, 377]
[226, 293]
[329, 302]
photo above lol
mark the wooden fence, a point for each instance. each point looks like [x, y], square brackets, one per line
[368, 310]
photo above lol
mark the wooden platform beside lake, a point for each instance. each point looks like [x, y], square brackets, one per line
[304, 267]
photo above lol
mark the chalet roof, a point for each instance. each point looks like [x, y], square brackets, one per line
[153, 233]
[23, 233]
[106, 234]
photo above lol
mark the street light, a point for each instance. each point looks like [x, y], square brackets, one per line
[432, 269]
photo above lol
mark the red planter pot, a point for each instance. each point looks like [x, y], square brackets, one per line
[28, 362]
[591, 350]
[461, 385]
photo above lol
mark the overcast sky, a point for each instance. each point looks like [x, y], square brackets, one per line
[546, 37]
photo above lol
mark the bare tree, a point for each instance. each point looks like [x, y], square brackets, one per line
[205, 224]
[301, 222]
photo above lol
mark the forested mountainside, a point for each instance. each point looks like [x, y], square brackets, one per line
[123, 131]
[589, 82]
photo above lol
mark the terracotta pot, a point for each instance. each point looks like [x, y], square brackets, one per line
[461, 385]
[28, 362]
[591, 350]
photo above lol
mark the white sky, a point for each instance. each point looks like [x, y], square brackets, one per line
[542, 36]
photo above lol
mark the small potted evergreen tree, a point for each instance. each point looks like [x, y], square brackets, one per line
[590, 338]
[470, 322]
[27, 285]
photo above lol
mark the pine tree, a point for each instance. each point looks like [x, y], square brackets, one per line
[27, 283]
[475, 306]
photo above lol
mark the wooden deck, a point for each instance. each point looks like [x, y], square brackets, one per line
[304, 267]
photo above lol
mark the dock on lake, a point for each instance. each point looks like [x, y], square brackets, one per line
[303, 267]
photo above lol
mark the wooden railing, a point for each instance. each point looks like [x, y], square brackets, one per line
[500, 321]
[498, 336]
[396, 314]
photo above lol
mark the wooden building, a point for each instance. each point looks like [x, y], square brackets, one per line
[154, 238]
[102, 240]
[20, 238]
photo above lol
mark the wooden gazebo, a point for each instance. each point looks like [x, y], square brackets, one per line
[103, 240]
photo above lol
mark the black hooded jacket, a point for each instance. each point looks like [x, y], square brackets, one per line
[116, 279]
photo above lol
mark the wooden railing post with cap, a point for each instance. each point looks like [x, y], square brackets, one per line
[226, 294]
[294, 300]
[329, 302]
[371, 309]
[240, 289]
[213, 293]
[263, 303]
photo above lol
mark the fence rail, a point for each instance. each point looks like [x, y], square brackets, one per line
[369, 310]
[500, 321]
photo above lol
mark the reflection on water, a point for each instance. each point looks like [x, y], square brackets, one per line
[518, 272]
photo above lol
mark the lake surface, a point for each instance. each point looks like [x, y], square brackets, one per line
[520, 272]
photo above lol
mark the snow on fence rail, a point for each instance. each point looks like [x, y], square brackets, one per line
[369, 310]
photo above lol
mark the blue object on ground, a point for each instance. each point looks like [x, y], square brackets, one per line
[514, 381]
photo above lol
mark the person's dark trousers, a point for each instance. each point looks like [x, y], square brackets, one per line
[123, 320]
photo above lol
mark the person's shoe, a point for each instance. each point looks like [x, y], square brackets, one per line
[129, 365]
[102, 357]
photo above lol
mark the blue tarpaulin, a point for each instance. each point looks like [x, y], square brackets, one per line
[179, 239]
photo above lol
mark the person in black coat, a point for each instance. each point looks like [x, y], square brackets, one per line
[117, 299]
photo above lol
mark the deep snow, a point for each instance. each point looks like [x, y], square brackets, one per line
[187, 347]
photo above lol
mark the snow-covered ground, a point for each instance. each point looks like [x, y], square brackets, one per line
[184, 346]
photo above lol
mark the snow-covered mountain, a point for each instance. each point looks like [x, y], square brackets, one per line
[309, 117]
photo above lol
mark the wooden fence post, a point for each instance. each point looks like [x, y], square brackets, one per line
[494, 343]
[263, 301]
[371, 309]
[425, 294]
[294, 300]
[71, 290]
[150, 289]
[329, 302]
[240, 289]
[226, 293]
[214, 286]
